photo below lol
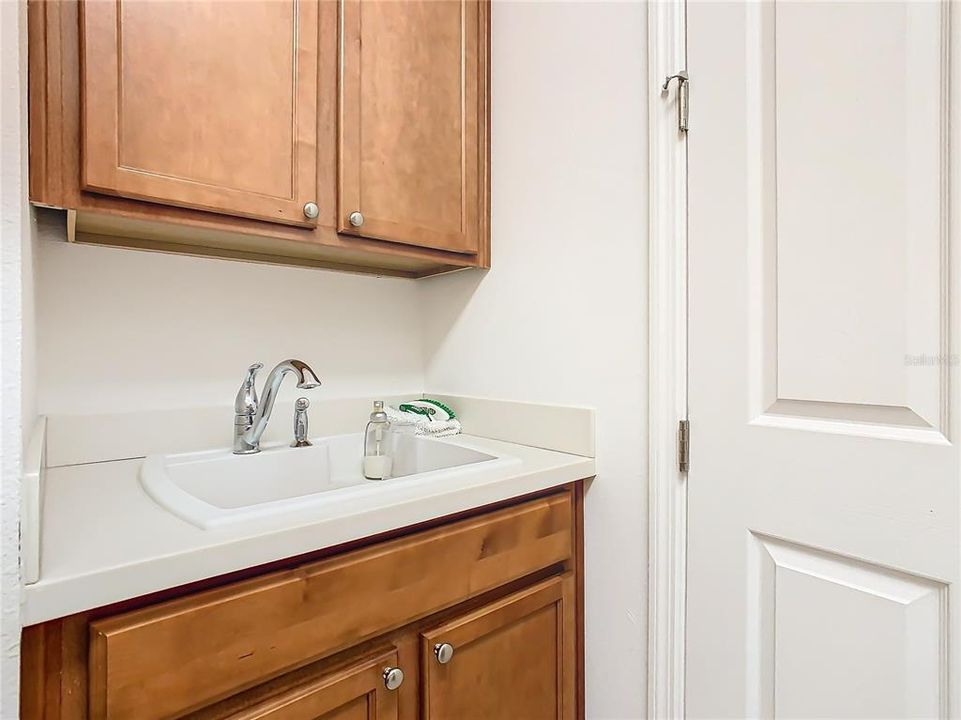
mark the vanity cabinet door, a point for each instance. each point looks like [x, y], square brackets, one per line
[513, 658]
[413, 118]
[365, 691]
[202, 104]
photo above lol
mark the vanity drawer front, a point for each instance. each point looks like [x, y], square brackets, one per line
[180, 655]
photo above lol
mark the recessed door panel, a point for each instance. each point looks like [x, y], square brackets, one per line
[859, 117]
[844, 638]
[847, 190]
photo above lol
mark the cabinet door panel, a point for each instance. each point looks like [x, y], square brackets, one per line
[355, 693]
[202, 103]
[410, 145]
[513, 658]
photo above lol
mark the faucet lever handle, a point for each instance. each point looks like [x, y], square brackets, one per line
[246, 402]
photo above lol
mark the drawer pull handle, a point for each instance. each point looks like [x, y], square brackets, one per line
[444, 652]
[393, 678]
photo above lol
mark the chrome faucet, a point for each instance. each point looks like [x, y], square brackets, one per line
[251, 415]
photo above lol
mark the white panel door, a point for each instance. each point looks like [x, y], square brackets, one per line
[823, 557]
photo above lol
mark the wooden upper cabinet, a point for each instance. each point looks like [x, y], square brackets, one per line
[206, 126]
[513, 658]
[412, 153]
[355, 693]
[202, 104]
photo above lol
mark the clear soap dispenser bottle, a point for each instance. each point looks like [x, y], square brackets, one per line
[377, 445]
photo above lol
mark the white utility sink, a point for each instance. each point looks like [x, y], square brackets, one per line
[216, 488]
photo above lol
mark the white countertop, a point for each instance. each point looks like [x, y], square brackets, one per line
[104, 540]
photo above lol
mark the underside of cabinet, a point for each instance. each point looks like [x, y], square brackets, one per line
[205, 239]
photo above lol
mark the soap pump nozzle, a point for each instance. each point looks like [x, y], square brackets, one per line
[378, 414]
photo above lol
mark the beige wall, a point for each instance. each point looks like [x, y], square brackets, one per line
[120, 329]
[562, 316]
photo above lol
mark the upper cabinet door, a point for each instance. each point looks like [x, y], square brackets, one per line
[412, 156]
[203, 104]
[513, 658]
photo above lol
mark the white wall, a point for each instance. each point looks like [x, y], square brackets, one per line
[562, 316]
[17, 404]
[121, 329]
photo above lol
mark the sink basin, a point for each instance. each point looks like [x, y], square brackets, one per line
[217, 488]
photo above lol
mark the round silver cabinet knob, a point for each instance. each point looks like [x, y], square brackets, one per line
[393, 678]
[444, 652]
[311, 211]
[356, 218]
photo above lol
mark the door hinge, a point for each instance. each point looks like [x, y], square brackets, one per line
[683, 111]
[683, 445]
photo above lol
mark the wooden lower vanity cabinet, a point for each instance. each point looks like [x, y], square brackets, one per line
[474, 616]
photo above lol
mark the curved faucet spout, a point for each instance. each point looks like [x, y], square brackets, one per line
[248, 441]
[306, 378]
